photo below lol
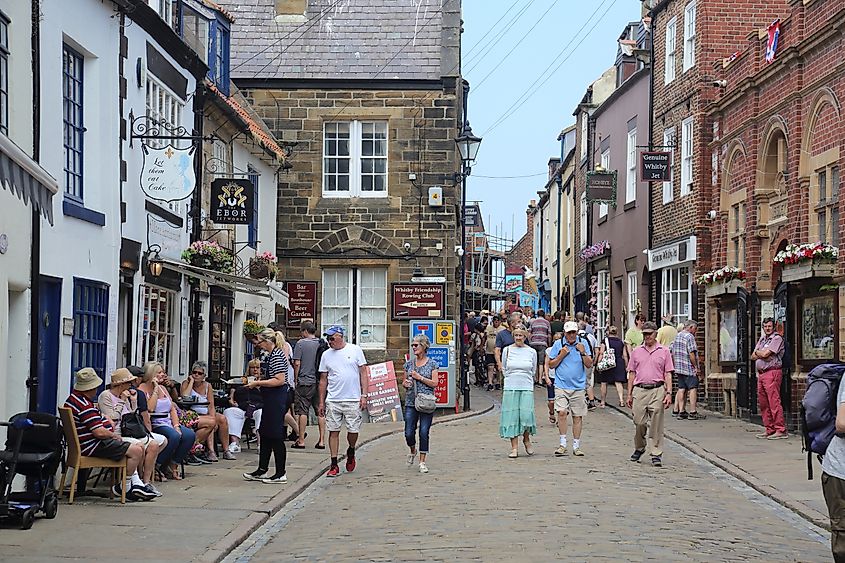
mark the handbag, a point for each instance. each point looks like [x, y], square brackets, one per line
[608, 359]
[132, 426]
[425, 403]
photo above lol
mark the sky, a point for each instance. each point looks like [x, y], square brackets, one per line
[576, 40]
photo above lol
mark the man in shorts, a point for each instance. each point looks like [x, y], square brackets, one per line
[540, 338]
[685, 358]
[305, 364]
[570, 357]
[343, 394]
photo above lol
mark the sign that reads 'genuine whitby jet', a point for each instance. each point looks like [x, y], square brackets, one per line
[168, 173]
[601, 187]
[232, 201]
[655, 166]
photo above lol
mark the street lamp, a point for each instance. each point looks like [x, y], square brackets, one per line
[468, 145]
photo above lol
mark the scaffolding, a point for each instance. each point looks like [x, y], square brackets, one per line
[485, 272]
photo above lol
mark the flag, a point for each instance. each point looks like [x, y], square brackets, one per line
[772, 43]
[728, 60]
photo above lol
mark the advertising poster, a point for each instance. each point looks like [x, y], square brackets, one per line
[383, 402]
[513, 283]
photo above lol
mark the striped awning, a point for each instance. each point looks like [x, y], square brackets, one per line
[23, 177]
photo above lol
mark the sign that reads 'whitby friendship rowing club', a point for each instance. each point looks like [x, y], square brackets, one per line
[232, 201]
[168, 173]
[655, 166]
[417, 301]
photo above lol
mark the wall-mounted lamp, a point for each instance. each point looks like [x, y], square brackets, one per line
[155, 263]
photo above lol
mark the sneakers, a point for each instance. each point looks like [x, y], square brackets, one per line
[778, 436]
[350, 460]
[561, 451]
[578, 451]
[591, 405]
[637, 455]
[423, 467]
[151, 488]
[211, 457]
[256, 475]
[411, 458]
[275, 479]
[234, 448]
[229, 455]
[675, 414]
[140, 493]
[762, 435]
[696, 416]
[656, 461]
[683, 415]
[191, 459]
[334, 471]
[498, 387]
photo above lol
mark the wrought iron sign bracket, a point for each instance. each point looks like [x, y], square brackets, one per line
[146, 127]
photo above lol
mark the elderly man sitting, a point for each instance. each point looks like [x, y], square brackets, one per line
[97, 437]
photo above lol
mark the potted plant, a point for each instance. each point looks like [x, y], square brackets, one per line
[722, 281]
[251, 328]
[263, 266]
[808, 260]
[209, 255]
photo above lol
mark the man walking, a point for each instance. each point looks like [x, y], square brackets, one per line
[768, 355]
[343, 394]
[305, 364]
[685, 358]
[490, 353]
[540, 338]
[570, 357]
[649, 392]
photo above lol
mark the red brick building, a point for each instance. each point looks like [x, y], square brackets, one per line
[776, 140]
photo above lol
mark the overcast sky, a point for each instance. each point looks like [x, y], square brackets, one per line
[522, 143]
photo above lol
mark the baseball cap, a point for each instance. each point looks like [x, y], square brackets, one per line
[335, 329]
[570, 326]
[136, 371]
[649, 326]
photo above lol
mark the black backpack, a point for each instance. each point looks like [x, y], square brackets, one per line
[320, 349]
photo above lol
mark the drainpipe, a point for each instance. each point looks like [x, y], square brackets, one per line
[652, 313]
[35, 255]
[195, 216]
[559, 181]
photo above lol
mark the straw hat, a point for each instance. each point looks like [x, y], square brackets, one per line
[122, 375]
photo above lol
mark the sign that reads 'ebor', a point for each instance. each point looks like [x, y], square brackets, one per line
[655, 166]
[232, 201]
[601, 187]
[168, 173]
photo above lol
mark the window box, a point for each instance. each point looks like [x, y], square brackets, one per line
[808, 269]
[722, 288]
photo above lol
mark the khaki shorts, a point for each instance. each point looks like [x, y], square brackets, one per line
[343, 411]
[574, 401]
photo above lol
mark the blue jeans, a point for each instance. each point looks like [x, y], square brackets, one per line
[178, 445]
[412, 415]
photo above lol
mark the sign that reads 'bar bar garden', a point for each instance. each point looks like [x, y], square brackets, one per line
[232, 201]
[601, 187]
[655, 166]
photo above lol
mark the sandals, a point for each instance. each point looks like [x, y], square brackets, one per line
[296, 446]
[513, 454]
[552, 419]
[528, 449]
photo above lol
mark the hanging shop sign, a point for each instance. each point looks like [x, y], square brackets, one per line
[168, 173]
[303, 302]
[232, 201]
[472, 216]
[655, 166]
[513, 283]
[417, 301]
[601, 187]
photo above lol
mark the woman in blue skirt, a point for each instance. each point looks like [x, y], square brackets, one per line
[520, 363]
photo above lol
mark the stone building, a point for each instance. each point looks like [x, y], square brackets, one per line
[368, 95]
[777, 144]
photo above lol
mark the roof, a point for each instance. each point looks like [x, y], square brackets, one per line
[349, 39]
[257, 129]
[215, 6]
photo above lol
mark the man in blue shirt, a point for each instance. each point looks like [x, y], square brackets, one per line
[570, 357]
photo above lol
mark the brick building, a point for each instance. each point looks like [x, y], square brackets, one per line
[777, 141]
[369, 97]
[521, 254]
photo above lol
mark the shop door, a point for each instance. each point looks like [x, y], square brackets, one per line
[220, 334]
[743, 377]
[44, 395]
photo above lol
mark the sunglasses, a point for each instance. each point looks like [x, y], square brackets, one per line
[197, 372]
[415, 345]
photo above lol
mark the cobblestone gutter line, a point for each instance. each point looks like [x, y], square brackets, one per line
[261, 514]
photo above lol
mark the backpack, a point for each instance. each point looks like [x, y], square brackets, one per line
[320, 349]
[818, 410]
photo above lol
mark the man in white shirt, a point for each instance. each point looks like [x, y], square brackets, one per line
[343, 393]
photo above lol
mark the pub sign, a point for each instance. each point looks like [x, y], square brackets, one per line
[601, 187]
[232, 201]
[302, 296]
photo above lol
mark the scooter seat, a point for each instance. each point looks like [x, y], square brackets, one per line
[7, 457]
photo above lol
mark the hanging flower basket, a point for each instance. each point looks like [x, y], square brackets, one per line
[808, 260]
[208, 255]
[263, 266]
[251, 327]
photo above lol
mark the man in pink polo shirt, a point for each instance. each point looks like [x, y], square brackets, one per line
[649, 392]
[768, 356]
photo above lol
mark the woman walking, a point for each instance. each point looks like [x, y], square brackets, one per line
[617, 374]
[274, 394]
[519, 363]
[420, 379]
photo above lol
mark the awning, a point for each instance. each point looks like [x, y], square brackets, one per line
[26, 179]
[270, 290]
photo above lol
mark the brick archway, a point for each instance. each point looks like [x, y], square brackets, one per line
[354, 237]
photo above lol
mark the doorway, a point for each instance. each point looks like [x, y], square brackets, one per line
[49, 320]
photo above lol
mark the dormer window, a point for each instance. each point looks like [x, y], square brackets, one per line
[195, 32]
[218, 58]
[167, 9]
[207, 33]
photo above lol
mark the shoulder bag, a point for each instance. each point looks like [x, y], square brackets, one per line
[424, 402]
[608, 359]
[132, 426]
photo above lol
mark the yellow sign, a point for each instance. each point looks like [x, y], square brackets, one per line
[443, 334]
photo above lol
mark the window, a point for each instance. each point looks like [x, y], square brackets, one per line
[669, 144]
[631, 177]
[220, 334]
[357, 299]
[4, 74]
[90, 326]
[669, 59]
[819, 327]
[219, 57]
[72, 67]
[221, 152]
[689, 36]
[583, 150]
[569, 204]
[686, 156]
[355, 159]
[162, 105]
[166, 9]
[195, 32]
[602, 303]
[827, 206]
[157, 324]
[736, 255]
[632, 297]
[252, 228]
[605, 163]
[677, 292]
[583, 240]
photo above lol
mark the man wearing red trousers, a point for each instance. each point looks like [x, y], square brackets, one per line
[768, 355]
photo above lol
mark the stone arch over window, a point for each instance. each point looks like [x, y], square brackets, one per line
[819, 167]
[732, 206]
[354, 237]
[771, 193]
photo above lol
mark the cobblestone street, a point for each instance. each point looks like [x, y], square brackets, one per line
[476, 504]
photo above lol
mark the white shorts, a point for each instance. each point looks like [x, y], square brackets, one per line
[339, 411]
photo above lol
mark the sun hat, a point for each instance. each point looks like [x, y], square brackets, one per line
[334, 329]
[87, 379]
[121, 376]
[570, 326]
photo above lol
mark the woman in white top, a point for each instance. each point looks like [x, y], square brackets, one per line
[520, 363]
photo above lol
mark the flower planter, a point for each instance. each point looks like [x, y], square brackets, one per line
[259, 270]
[807, 269]
[722, 288]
